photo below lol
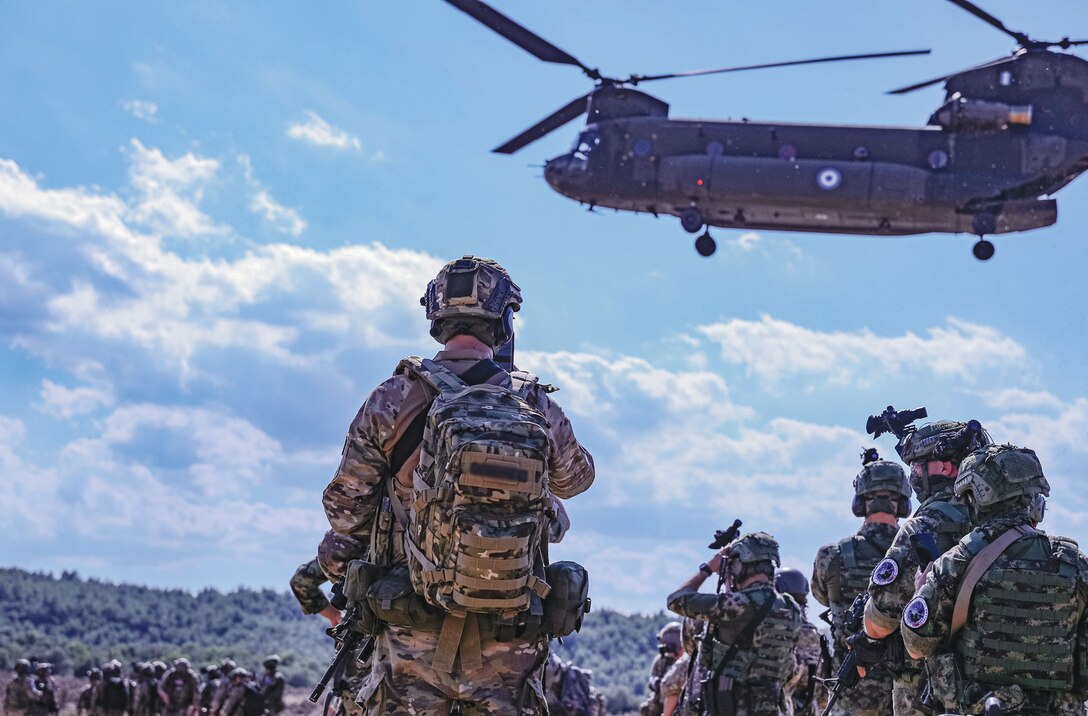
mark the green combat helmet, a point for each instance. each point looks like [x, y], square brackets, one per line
[271, 662]
[755, 547]
[670, 638]
[945, 440]
[998, 477]
[22, 666]
[880, 476]
[475, 296]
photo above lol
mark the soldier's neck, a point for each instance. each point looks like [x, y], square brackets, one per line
[465, 342]
[882, 518]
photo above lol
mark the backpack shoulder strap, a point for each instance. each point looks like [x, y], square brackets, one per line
[977, 567]
[745, 637]
[846, 549]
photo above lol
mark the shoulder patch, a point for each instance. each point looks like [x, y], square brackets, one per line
[916, 614]
[886, 572]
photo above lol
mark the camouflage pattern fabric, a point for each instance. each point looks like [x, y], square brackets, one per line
[761, 670]
[807, 656]
[944, 517]
[145, 698]
[835, 585]
[672, 683]
[182, 689]
[85, 702]
[654, 703]
[46, 703]
[402, 681]
[221, 692]
[1026, 625]
[306, 586]
[235, 698]
[353, 497]
[113, 689]
[569, 690]
[20, 696]
[207, 694]
[272, 685]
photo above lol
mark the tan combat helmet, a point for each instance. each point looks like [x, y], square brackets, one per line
[472, 295]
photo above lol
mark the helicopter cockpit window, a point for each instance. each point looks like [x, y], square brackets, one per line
[585, 143]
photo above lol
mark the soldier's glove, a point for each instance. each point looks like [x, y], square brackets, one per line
[867, 650]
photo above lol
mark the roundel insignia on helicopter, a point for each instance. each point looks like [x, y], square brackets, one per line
[829, 179]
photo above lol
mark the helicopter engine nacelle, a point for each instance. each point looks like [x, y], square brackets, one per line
[961, 113]
[608, 102]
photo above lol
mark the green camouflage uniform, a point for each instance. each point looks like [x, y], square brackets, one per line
[182, 688]
[401, 680]
[840, 573]
[1026, 630]
[565, 701]
[759, 672]
[20, 696]
[946, 518]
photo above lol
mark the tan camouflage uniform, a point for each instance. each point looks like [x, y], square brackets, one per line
[654, 702]
[807, 655]
[944, 517]
[182, 688]
[873, 695]
[728, 613]
[85, 701]
[20, 696]
[234, 703]
[672, 684]
[306, 586]
[1048, 578]
[401, 680]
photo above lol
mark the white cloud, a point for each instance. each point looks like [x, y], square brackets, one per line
[1020, 399]
[317, 131]
[283, 218]
[772, 350]
[69, 402]
[27, 500]
[141, 109]
[176, 306]
[747, 241]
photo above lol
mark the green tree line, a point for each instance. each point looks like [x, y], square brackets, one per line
[78, 623]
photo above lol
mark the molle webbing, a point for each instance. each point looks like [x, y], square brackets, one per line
[1023, 623]
[954, 525]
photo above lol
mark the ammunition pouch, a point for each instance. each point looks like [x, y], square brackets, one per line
[568, 601]
[359, 577]
[943, 681]
[393, 601]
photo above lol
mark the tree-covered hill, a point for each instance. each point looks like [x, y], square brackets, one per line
[76, 623]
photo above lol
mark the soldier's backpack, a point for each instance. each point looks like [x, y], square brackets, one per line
[576, 691]
[480, 502]
[253, 700]
[115, 694]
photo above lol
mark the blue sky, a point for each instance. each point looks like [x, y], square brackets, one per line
[215, 224]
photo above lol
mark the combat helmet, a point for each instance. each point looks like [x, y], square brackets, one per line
[945, 440]
[271, 662]
[670, 638]
[791, 581]
[22, 666]
[239, 671]
[755, 547]
[997, 477]
[472, 295]
[880, 476]
[95, 674]
[226, 665]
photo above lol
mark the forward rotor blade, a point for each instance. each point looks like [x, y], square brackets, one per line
[635, 79]
[552, 122]
[935, 80]
[991, 20]
[515, 33]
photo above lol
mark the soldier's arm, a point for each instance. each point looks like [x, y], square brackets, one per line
[892, 585]
[1080, 681]
[927, 617]
[306, 586]
[821, 571]
[571, 470]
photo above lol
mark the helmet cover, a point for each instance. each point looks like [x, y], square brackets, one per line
[998, 473]
[755, 547]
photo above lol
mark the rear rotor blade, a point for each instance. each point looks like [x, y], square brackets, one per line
[549, 124]
[991, 20]
[520, 36]
[635, 79]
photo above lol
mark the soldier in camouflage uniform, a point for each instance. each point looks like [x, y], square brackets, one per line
[115, 695]
[804, 691]
[47, 704]
[669, 649]
[20, 696]
[209, 687]
[226, 667]
[470, 304]
[569, 690]
[272, 685]
[178, 689]
[933, 453]
[85, 701]
[306, 586]
[748, 674]
[1017, 620]
[841, 572]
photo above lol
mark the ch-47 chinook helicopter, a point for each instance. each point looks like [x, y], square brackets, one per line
[1010, 133]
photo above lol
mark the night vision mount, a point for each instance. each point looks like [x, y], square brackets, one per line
[896, 422]
[868, 456]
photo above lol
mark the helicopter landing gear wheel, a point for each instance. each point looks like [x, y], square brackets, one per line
[983, 250]
[691, 220]
[706, 245]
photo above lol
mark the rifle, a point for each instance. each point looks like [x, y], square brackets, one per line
[350, 640]
[847, 676]
[721, 539]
